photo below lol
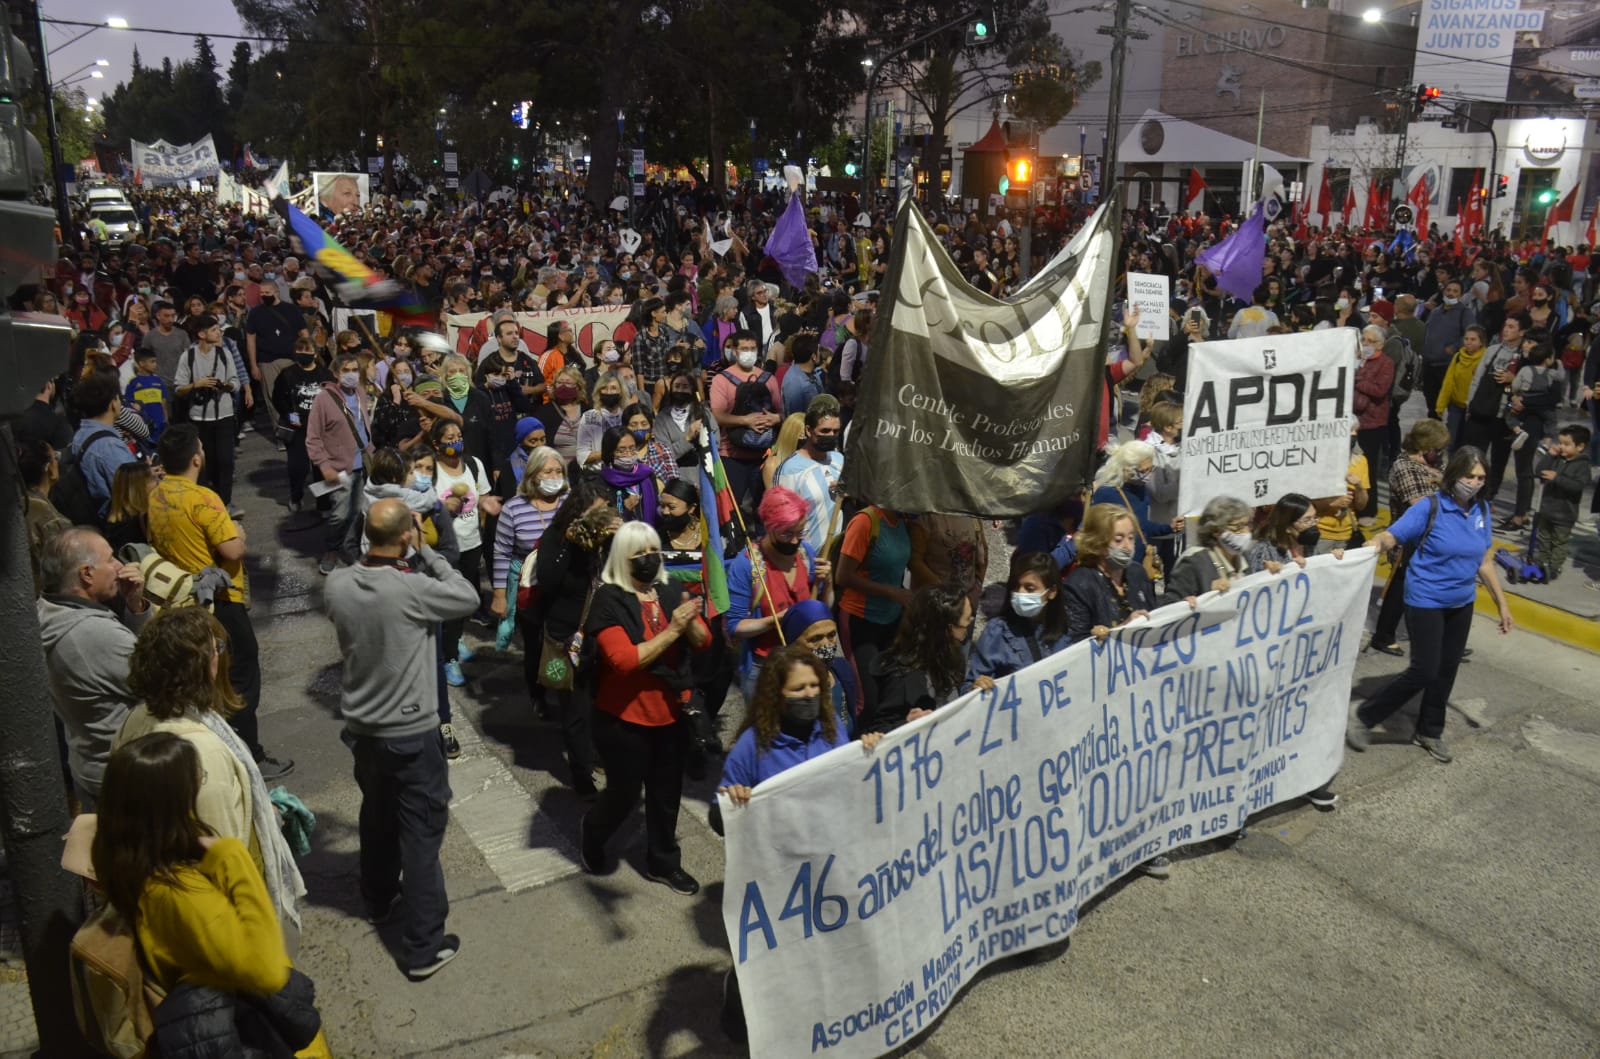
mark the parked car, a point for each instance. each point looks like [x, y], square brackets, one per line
[108, 194]
[122, 224]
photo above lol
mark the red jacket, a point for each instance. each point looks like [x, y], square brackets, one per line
[1374, 380]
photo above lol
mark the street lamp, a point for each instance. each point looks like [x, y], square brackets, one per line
[1372, 15]
[86, 66]
[111, 23]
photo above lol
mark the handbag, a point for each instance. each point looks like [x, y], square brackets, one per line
[1152, 562]
[558, 662]
[112, 996]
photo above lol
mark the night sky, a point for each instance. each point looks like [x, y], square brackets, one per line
[117, 45]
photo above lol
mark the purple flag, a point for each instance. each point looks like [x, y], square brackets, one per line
[790, 247]
[1236, 261]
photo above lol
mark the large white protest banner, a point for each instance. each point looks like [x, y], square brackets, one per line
[467, 332]
[1267, 416]
[164, 163]
[864, 891]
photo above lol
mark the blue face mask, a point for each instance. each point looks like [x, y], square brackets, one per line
[453, 448]
[640, 436]
[1027, 604]
[422, 482]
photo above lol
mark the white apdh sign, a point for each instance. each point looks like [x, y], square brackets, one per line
[864, 891]
[1267, 416]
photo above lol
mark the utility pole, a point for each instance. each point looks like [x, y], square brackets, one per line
[1111, 187]
[58, 186]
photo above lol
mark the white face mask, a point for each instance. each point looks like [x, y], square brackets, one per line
[551, 486]
[747, 359]
[1451, 301]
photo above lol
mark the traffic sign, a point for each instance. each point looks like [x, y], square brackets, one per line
[760, 165]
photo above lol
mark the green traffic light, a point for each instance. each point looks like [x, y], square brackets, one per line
[515, 162]
[980, 29]
[1005, 184]
[1547, 196]
[849, 169]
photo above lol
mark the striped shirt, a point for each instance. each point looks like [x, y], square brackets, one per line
[520, 527]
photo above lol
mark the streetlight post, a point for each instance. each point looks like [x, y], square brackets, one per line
[58, 183]
[866, 135]
[111, 23]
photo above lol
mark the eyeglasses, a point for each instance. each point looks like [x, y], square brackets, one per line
[220, 646]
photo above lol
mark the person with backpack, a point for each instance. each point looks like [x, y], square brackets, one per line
[746, 402]
[1402, 353]
[83, 492]
[207, 382]
[1451, 550]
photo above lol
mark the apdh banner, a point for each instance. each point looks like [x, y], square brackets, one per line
[1267, 416]
[978, 405]
[864, 891]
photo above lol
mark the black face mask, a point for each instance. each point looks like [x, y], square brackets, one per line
[680, 397]
[672, 525]
[1308, 538]
[825, 442]
[645, 567]
[785, 547]
[611, 400]
[305, 360]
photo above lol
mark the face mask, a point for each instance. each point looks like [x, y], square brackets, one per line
[1452, 301]
[610, 356]
[802, 708]
[680, 397]
[552, 486]
[625, 463]
[640, 436]
[349, 379]
[1464, 491]
[401, 377]
[1368, 352]
[458, 385]
[1308, 538]
[494, 382]
[611, 400]
[1027, 604]
[825, 443]
[827, 650]
[1119, 557]
[747, 359]
[566, 394]
[1341, 305]
[1236, 542]
[785, 547]
[453, 449]
[270, 276]
[305, 360]
[672, 525]
[422, 482]
[645, 567]
[1141, 476]
[238, 277]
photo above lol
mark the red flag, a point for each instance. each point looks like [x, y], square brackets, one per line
[1589, 236]
[1349, 212]
[1324, 198]
[1370, 217]
[1418, 198]
[1561, 211]
[1197, 184]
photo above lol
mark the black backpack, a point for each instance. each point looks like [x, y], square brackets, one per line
[71, 495]
[1408, 366]
[749, 397]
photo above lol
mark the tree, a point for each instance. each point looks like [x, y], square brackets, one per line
[1047, 78]
[76, 122]
[238, 77]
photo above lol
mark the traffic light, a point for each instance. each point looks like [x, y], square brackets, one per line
[516, 162]
[1426, 95]
[33, 348]
[979, 32]
[1502, 186]
[1019, 169]
[1546, 197]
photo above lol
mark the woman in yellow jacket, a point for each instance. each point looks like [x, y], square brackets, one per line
[198, 906]
[1457, 385]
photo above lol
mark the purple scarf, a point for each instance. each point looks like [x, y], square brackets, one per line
[644, 476]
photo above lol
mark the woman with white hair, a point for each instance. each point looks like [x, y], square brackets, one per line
[1124, 480]
[1374, 380]
[641, 625]
[1225, 543]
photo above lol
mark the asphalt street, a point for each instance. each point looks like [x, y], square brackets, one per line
[1440, 910]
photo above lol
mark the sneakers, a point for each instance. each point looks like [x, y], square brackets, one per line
[1323, 798]
[1434, 746]
[328, 563]
[1156, 867]
[464, 653]
[592, 855]
[448, 950]
[453, 675]
[1520, 440]
[381, 914]
[272, 768]
[452, 745]
[1357, 736]
[677, 880]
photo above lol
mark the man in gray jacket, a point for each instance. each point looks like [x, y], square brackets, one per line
[387, 611]
[87, 647]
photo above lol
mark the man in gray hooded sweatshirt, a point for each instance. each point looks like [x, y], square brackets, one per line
[387, 610]
[87, 647]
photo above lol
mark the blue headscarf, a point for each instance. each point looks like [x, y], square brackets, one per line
[519, 455]
[801, 616]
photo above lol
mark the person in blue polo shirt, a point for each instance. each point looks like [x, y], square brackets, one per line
[1451, 547]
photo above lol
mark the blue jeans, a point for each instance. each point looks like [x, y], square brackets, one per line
[405, 804]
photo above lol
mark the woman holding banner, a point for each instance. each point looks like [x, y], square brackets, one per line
[1107, 588]
[1451, 549]
[1222, 556]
